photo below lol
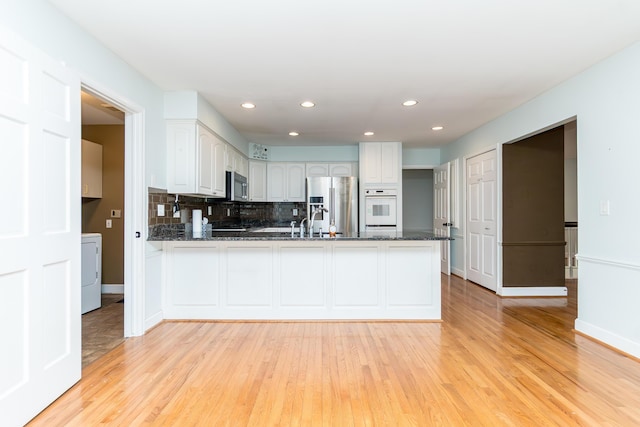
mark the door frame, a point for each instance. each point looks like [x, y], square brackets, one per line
[135, 205]
[498, 149]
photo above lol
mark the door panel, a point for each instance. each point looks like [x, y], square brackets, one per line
[442, 213]
[482, 219]
[40, 244]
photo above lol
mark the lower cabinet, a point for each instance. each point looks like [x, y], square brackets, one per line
[305, 279]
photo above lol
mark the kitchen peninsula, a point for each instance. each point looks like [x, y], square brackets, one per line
[270, 276]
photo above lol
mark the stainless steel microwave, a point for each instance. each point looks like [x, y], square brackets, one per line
[236, 187]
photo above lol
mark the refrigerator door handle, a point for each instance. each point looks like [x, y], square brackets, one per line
[332, 205]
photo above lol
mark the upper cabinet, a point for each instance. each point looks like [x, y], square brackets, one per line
[195, 160]
[380, 162]
[235, 161]
[257, 181]
[286, 182]
[91, 169]
[331, 169]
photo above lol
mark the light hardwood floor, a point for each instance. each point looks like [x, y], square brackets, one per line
[491, 362]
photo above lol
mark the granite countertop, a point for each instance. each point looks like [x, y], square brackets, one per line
[180, 233]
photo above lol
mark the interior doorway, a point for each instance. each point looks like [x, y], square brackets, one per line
[417, 199]
[103, 126]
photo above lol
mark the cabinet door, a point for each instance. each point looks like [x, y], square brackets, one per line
[206, 162]
[181, 157]
[218, 173]
[389, 156]
[317, 169]
[243, 165]
[229, 158]
[257, 181]
[91, 169]
[295, 182]
[276, 182]
[370, 162]
[340, 169]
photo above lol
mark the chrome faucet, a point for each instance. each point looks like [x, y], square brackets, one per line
[313, 217]
[293, 226]
[302, 227]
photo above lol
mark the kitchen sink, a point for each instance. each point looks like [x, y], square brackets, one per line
[275, 230]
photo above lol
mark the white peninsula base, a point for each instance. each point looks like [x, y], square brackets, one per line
[302, 279]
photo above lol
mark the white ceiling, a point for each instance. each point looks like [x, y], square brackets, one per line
[465, 61]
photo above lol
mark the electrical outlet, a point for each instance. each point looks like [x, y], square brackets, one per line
[160, 210]
[108, 224]
[228, 212]
[295, 211]
[209, 210]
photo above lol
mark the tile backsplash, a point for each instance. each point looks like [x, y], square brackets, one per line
[222, 213]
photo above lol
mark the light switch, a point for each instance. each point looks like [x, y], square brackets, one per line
[160, 210]
[604, 207]
[108, 223]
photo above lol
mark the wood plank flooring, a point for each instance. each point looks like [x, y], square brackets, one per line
[491, 362]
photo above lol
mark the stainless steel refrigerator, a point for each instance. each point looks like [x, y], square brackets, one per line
[339, 195]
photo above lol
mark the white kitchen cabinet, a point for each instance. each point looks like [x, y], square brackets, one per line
[380, 162]
[235, 161]
[331, 169]
[195, 160]
[257, 181]
[317, 169]
[342, 169]
[286, 182]
[91, 169]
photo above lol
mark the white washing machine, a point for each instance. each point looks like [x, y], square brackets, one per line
[91, 271]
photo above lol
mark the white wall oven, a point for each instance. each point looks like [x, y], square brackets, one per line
[380, 209]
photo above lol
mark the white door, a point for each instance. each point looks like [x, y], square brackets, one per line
[481, 219]
[442, 213]
[39, 230]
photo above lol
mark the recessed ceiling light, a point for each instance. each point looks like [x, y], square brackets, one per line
[368, 133]
[248, 105]
[437, 128]
[293, 133]
[410, 103]
[307, 104]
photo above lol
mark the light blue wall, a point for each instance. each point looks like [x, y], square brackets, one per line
[330, 153]
[605, 99]
[420, 158]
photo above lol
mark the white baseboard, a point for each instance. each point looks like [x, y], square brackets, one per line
[113, 289]
[458, 272]
[609, 338]
[542, 291]
[153, 321]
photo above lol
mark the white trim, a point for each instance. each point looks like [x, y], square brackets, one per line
[538, 291]
[419, 166]
[614, 340]
[135, 204]
[153, 320]
[113, 289]
[458, 272]
[608, 262]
